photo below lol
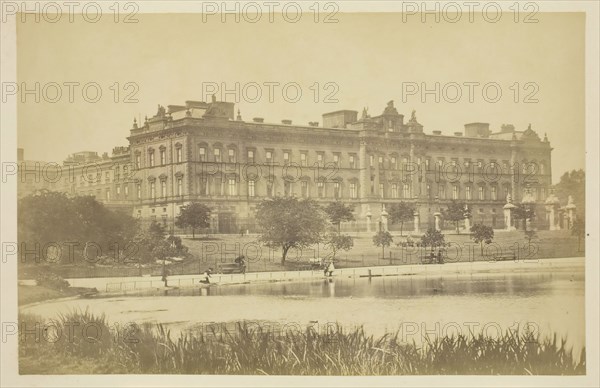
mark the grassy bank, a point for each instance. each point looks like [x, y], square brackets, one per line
[252, 350]
[32, 294]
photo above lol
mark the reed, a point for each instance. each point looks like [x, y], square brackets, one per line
[252, 349]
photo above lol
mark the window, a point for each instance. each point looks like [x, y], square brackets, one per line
[251, 186]
[320, 158]
[352, 161]
[505, 168]
[543, 192]
[179, 155]
[163, 189]
[494, 193]
[138, 159]
[117, 174]
[427, 164]
[139, 191]
[231, 184]
[231, 155]
[371, 159]
[126, 191]
[250, 156]
[320, 189]
[381, 190]
[405, 163]
[304, 189]
[107, 177]
[467, 163]
[287, 188]
[336, 189]
[179, 186]
[505, 191]
[217, 154]
[542, 168]
[353, 191]
[303, 161]
[151, 158]
[336, 159]
[270, 188]
[406, 190]
[380, 161]
[455, 192]
[118, 189]
[481, 193]
[442, 192]
[269, 156]
[394, 190]
[468, 193]
[286, 157]
[163, 157]
[372, 185]
[202, 154]
[393, 162]
[108, 194]
[152, 190]
[428, 189]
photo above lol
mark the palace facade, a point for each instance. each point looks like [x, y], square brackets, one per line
[203, 151]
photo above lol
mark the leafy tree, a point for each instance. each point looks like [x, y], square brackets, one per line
[53, 217]
[339, 242]
[337, 213]
[194, 215]
[151, 245]
[432, 238]
[482, 234]
[523, 212]
[400, 213]
[578, 230]
[572, 183]
[456, 212]
[383, 239]
[289, 222]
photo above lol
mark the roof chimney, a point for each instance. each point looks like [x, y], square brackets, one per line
[258, 119]
[437, 132]
[286, 122]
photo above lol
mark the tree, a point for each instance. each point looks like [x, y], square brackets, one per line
[339, 242]
[523, 212]
[400, 213]
[382, 239]
[289, 222]
[337, 213]
[481, 234]
[456, 212]
[194, 215]
[578, 230]
[572, 183]
[432, 238]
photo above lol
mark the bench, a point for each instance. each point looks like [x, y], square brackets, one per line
[230, 268]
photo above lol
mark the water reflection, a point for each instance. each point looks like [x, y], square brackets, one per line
[398, 287]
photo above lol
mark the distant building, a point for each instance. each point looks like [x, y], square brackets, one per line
[201, 152]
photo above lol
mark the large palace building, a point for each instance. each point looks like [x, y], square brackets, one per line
[205, 152]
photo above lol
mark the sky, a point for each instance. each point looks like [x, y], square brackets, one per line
[363, 60]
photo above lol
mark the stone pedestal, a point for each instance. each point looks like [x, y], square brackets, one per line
[416, 221]
[467, 224]
[438, 217]
[384, 219]
[368, 216]
[570, 211]
[508, 213]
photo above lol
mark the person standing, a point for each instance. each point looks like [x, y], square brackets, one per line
[330, 268]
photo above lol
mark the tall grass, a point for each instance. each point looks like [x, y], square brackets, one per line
[251, 349]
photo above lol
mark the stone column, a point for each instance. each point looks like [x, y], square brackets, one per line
[416, 221]
[438, 217]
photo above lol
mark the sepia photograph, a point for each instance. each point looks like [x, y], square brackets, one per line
[325, 193]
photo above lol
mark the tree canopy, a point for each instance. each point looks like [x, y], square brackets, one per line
[481, 234]
[432, 238]
[193, 215]
[401, 212]
[337, 213]
[289, 222]
[456, 212]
